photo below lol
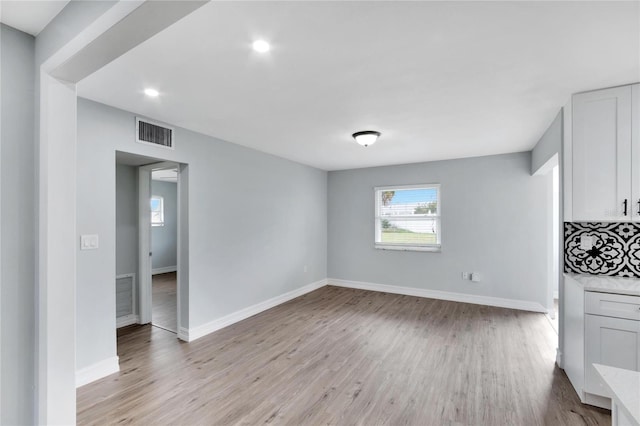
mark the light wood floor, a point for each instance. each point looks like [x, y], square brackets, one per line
[343, 356]
[164, 304]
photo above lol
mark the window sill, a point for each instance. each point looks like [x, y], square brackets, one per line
[433, 249]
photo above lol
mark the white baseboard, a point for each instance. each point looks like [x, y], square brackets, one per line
[183, 334]
[522, 305]
[127, 320]
[164, 270]
[559, 358]
[97, 371]
[192, 334]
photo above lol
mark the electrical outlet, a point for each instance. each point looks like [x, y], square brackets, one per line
[305, 268]
[475, 277]
[88, 242]
[465, 275]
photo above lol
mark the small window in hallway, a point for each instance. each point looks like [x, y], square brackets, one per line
[157, 211]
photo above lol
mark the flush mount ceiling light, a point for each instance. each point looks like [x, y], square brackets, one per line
[366, 137]
[261, 46]
[152, 93]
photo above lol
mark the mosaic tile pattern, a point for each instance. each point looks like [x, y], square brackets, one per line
[616, 249]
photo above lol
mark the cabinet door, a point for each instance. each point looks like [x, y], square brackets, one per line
[602, 155]
[609, 341]
[635, 150]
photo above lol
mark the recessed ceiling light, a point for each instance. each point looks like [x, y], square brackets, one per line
[366, 137]
[261, 46]
[152, 93]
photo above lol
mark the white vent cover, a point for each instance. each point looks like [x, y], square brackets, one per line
[152, 133]
[125, 295]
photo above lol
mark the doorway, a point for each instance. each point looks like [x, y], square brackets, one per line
[164, 248]
[151, 215]
[550, 172]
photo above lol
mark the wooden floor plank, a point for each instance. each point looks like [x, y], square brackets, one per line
[164, 301]
[344, 356]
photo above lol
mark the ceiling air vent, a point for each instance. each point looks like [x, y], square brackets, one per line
[157, 134]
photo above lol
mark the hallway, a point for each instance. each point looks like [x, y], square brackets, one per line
[164, 314]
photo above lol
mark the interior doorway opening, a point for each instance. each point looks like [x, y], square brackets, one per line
[164, 248]
[150, 225]
[550, 172]
[555, 246]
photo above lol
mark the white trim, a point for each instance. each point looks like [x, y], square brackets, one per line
[164, 270]
[435, 248]
[378, 218]
[412, 186]
[559, 358]
[144, 243]
[97, 371]
[183, 334]
[523, 305]
[567, 161]
[192, 334]
[127, 320]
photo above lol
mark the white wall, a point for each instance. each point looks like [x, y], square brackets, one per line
[126, 219]
[164, 241]
[255, 221]
[492, 223]
[17, 261]
[548, 152]
[549, 144]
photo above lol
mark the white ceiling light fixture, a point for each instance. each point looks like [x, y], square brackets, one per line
[152, 93]
[366, 137]
[261, 46]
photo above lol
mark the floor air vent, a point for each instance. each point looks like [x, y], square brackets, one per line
[126, 300]
[148, 132]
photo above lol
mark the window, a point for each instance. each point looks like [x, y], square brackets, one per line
[157, 211]
[408, 217]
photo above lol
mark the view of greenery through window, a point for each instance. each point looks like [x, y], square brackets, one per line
[409, 216]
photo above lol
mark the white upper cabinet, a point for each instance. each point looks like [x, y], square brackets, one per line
[635, 151]
[603, 173]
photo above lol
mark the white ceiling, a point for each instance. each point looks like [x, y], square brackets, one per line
[438, 79]
[165, 175]
[30, 16]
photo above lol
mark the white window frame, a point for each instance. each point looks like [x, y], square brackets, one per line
[161, 198]
[403, 246]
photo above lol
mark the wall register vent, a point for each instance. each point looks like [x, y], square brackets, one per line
[151, 133]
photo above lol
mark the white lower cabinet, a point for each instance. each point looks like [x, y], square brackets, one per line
[601, 328]
[609, 341]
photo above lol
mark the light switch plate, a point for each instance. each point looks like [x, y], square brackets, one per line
[586, 242]
[89, 242]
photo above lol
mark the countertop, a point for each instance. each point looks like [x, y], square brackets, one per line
[625, 388]
[603, 284]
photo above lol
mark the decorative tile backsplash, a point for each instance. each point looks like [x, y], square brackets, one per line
[615, 250]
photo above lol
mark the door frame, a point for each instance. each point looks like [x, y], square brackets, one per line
[144, 240]
[550, 171]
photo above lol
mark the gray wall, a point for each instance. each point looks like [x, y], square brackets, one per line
[126, 220]
[17, 261]
[549, 144]
[164, 241]
[255, 221]
[492, 223]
